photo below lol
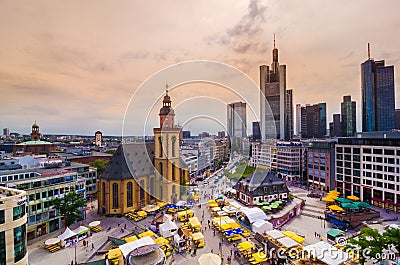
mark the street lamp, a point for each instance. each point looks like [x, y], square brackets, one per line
[75, 244]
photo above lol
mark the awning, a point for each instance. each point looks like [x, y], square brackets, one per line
[335, 232]
[376, 199]
[389, 202]
[128, 247]
[275, 234]
[327, 253]
[68, 233]
[287, 242]
[81, 230]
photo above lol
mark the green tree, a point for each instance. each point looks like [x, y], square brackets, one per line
[111, 151]
[69, 206]
[100, 164]
[371, 240]
[392, 237]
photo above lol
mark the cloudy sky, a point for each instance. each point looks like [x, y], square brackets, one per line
[74, 65]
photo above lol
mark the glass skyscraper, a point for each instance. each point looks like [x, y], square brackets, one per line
[377, 88]
[348, 110]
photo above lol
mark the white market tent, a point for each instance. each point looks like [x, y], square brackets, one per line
[275, 234]
[261, 226]
[68, 233]
[230, 209]
[254, 214]
[168, 228]
[327, 253]
[128, 247]
[81, 230]
[236, 205]
[288, 242]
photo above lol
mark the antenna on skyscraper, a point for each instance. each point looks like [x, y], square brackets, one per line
[369, 52]
[274, 40]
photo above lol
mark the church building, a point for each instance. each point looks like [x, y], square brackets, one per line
[35, 146]
[142, 173]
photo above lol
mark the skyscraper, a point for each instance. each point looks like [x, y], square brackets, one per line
[348, 111]
[336, 126]
[289, 114]
[298, 119]
[377, 89]
[313, 121]
[273, 94]
[236, 120]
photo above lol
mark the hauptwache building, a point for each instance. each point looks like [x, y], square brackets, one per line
[143, 173]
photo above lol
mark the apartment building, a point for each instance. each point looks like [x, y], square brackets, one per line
[369, 167]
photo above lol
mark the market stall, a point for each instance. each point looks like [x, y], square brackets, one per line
[168, 229]
[261, 226]
[67, 237]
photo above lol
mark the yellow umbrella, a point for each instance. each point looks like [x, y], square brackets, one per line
[328, 199]
[334, 192]
[259, 257]
[114, 253]
[246, 245]
[147, 233]
[131, 238]
[353, 198]
[161, 241]
[209, 259]
[335, 208]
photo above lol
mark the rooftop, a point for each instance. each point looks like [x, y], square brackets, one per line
[34, 143]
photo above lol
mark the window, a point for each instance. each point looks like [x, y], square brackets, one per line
[115, 196]
[19, 243]
[367, 150]
[129, 197]
[377, 151]
[3, 248]
[103, 193]
[161, 147]
[389, 152]
[173, 145]
[2, 217]
[173, 172]
[161, 168]
[18, 212]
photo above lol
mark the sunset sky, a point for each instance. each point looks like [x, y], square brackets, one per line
[74, 65]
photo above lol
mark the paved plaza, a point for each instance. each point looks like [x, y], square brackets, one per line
[308, 224]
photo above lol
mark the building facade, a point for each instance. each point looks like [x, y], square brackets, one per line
[378, 97]
[41, 186]
[336, 130]
[13, 243]
[321, 164]
[289, 114]
[313, 121]
[368, 167]
[236, 120]
[273, 100]
[142, 173]
[348, 111]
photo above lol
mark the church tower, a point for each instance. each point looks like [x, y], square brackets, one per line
[166, 154]
[35, 134]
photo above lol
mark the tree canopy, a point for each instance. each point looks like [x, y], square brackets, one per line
[372, 243]
[100, 164]
[69, 206]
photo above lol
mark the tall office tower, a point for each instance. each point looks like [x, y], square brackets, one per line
[289, 130]
[348, 110]
[397, 119]
[313, 121]
[236, 119]
[272, 99]
[6, 132]
[298, 119]
[336, 126]
[256, 131]
[377, 89]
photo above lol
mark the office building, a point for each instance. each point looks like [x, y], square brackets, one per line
[13, 245]
[289, 129]
[287, 158]
[298, 119]
[236, 120]
[397, 119]
[256, 131]
[336, 129]
[41, 186]
[321, 164]
[273, 109]
[368, 167]
[6, 132]
[378, 97]
[348, 111]
[313, 121]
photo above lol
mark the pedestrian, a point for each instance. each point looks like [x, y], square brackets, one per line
[92, 246]
[84, 243]
[125, 226]
[87, 251]
[212, 250]
[119, 224]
